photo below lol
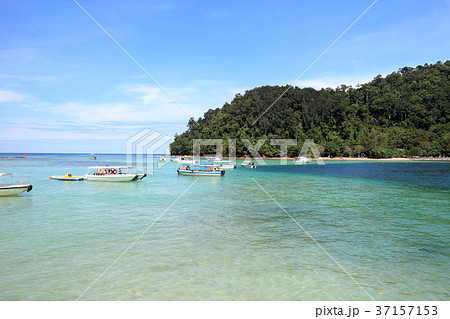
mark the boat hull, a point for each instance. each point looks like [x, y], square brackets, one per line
[228, 166]
[222, 164]
[111, 178]
[200, 173]
[12, 190]
[57, 178]
[185, 162]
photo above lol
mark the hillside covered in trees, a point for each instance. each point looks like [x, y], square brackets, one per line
[405, 113]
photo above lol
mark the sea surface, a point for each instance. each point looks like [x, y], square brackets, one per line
[263, 234]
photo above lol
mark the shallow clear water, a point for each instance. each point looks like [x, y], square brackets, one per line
[386, 223]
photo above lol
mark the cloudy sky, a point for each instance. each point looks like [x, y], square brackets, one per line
[66, 86]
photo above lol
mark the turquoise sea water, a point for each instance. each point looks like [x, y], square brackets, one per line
[386, 223]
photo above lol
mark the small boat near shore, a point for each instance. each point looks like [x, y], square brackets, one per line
[185, 160]
[113, 174]
[248, 164]
[201, 170]
[11, 189]
[301, 160]
[223, 163]
[67, 177]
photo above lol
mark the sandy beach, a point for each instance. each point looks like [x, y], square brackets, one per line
[361, 159]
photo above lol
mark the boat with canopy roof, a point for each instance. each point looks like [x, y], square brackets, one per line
[11, 189]
[113, 174]
[201, 170]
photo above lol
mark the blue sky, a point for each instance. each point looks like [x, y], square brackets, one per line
[65, 86]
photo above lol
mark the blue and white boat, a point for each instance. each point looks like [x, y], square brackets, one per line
[67, 177]
[201, 170]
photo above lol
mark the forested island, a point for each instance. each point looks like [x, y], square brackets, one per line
[406, 113]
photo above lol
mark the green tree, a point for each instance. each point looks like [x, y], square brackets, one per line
[406, 109]
[415, 151]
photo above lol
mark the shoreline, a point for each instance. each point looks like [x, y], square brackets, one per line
[359, 159]
[342, 159]
[354, 159]
[326, 159]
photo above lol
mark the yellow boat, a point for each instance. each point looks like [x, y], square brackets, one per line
[67, 177]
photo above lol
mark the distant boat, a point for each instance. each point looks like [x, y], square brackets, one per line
[162, 159]
[185, 160]
[113, 174]
[301, 160]
[223, 164]
[9, 189]
[67, 177]
[201, 170]
[93, 157]
[248, 164]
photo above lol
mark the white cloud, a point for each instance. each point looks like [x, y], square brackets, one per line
[148, 94]
[154, 95]
[9, 96]
[234, 91]
[72, 131]
[122, 112]
[333, 82]
[136, 103]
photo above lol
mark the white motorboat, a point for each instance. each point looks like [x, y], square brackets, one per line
[248, 164]
[10, 189]
[185, 160]
[223, 164]
[113, 174]
[301, 160]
